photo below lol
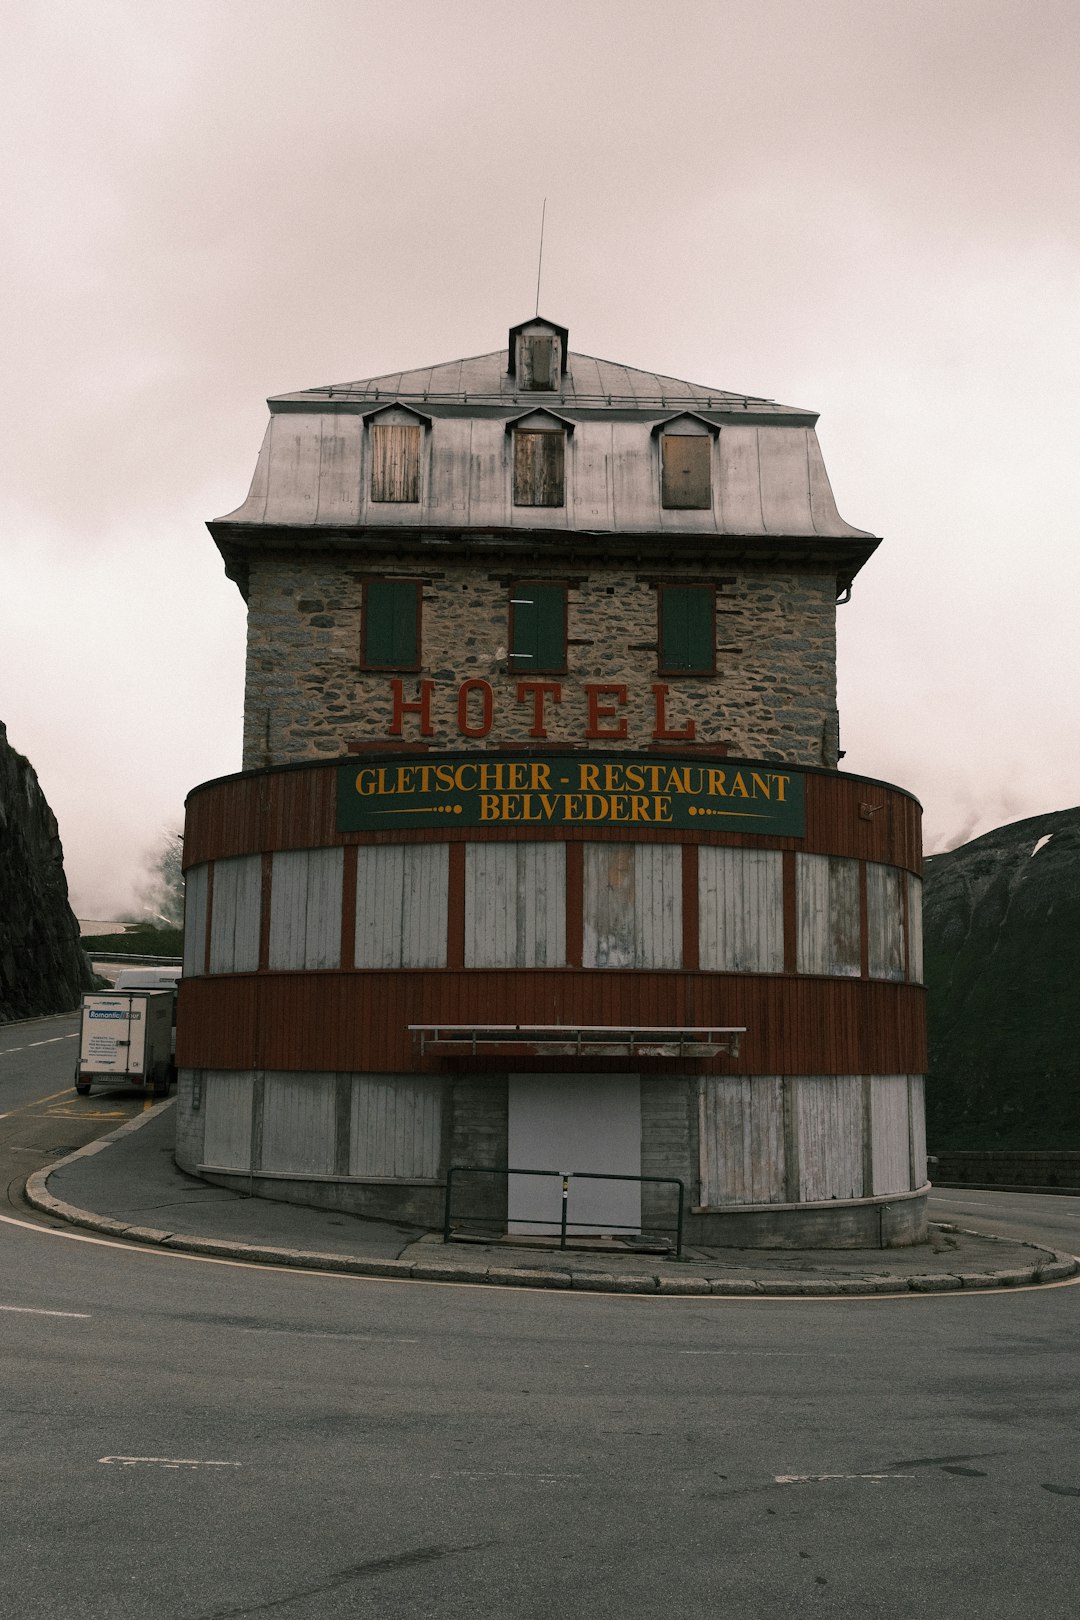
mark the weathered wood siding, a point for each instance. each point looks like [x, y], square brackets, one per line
[741, 910]
[915, 928]
[830, 1129]
[401, 905]
[632, 906]
[884, 921]
[515, 905]
[235, 915]
[305, 909]
[890, 1133]
[195, 894]
[226, 1103]
[742, 1140]
[295, 808]
[396, 1125]
[395, 462]
[917, 1117]
[827, 904]
[298, 1124]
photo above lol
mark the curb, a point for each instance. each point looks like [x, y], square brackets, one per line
[1059, 1268]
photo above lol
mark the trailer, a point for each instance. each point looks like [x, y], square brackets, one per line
[127, 1036]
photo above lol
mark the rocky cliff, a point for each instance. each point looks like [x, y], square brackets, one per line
[1002, 926]
[42, 966]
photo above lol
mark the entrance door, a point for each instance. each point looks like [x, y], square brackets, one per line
[574, 1122]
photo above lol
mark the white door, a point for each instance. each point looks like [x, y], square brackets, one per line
[574, 1122]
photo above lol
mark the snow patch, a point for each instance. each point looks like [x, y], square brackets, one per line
[1045, 839]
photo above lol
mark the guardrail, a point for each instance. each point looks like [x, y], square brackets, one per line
[565, 1177]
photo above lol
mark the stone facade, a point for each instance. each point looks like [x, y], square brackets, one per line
[773, 695]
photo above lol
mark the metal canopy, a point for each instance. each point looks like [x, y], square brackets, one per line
[578, 1040]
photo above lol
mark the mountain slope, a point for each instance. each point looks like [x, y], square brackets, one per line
[42, 966]
[1002, 930]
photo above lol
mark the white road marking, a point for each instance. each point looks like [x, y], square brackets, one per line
[52, 1040]
[9, 1050]
[158, 1251]
[32, 1310]
[314, 1333]
[815, 1479]
[170, 1462]
[798, 1355]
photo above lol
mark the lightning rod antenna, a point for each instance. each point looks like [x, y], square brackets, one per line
[540, 260]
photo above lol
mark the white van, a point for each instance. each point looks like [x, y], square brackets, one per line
[148, 978]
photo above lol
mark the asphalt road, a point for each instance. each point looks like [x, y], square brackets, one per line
[190, 1440]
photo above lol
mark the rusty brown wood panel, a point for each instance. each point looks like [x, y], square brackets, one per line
[357, 1021]
[295, 808]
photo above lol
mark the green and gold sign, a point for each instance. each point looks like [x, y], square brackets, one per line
[614, 790]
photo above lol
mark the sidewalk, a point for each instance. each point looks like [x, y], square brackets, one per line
[127, 1185]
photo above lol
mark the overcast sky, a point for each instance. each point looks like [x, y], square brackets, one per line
[867, 207]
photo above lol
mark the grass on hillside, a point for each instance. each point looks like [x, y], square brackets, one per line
[137, 941]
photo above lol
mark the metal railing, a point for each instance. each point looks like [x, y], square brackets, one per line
[565, 1177]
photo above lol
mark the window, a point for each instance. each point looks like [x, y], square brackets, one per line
[395, 462]
[537, 629]
[390, 634]
[687, 631]
[539, 467]
[686, 471]
[538, 354]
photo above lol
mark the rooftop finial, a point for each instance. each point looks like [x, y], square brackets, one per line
[540, 260]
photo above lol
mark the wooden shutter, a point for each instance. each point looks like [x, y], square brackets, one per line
[395, 462]
[391, 624]
[539, 460]
[686, 469]
[537, 629]
[687, 629]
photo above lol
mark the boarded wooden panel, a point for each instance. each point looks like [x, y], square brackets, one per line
[396, 1126]
[236, 915]
[890, 1133]
[539, 468]
[401, 905]
[305, 909]
[741, 910]
[395, 462]
[742, 1140]
[632, 913]
[915, 929]
[685, 471]
[195, 886]
[227, 1109]
[917, 1115]
[884, 921]
[829, 1121]
[515, 905]
[827, 893]
[658, 911]
[298, 1127]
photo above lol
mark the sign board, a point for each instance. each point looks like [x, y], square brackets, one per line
[598, 790]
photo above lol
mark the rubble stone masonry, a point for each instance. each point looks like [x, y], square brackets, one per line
[773, 695]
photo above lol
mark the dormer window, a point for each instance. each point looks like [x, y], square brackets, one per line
[539, 468]
[686, 463]
[540, 458]
[537, 359]
[396, 436]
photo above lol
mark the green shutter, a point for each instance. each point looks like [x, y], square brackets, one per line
[390, 624]
[538, 633]
[687, 629]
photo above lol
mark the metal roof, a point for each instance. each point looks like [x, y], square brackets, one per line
[484, 379]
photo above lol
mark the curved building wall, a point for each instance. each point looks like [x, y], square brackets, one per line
[309, 952]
